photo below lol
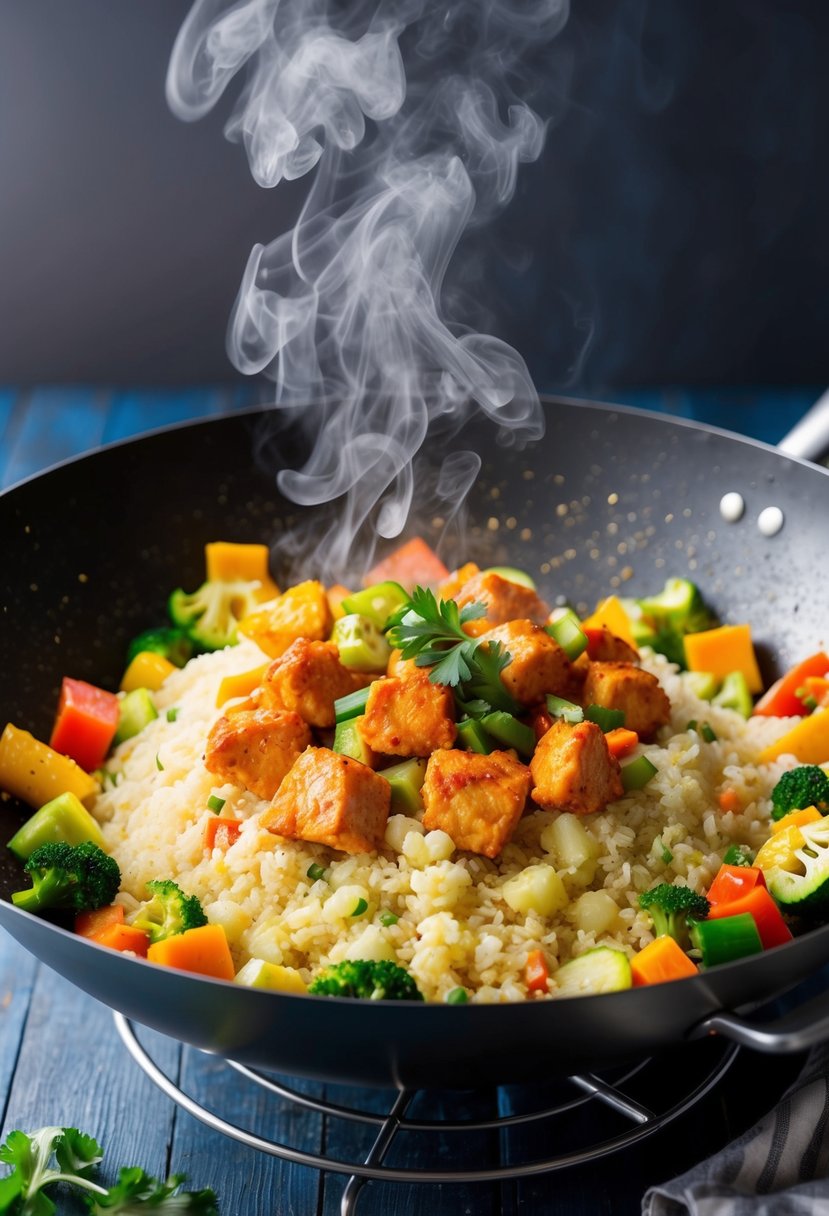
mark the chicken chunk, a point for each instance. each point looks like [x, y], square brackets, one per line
[302, 611]
[505, 601]
[449, 588]
[308, 679]
[573, 769]
[636, 692]
[255, 748]
[477, 800]
[537, 665]
[408, 716]
[331, 799]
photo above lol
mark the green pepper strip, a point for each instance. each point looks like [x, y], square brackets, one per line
[726, 938]
[351, 706]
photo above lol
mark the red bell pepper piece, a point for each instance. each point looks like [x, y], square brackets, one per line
[86, 722]
[781, 700]
[732, 882]
[536, 972]
[413, 564]
[758, 903]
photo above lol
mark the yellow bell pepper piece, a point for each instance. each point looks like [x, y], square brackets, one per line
[808, 741]
[780, 850]
[36, 773]
[241, 685]
[229, 563]
[723, 650]
[795, 819]
[256, 973]
[300, 612]
[147, 670]
[610, 614]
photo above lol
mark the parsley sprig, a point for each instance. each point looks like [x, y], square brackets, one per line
[430, 631]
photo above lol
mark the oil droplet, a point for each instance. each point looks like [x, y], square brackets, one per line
[770, 521]
[732, 506]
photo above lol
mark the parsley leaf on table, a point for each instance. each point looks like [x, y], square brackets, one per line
[430, 631]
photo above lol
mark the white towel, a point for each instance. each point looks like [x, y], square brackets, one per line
[780, 1167]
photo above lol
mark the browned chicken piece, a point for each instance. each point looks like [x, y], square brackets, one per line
[477, 800]
[302, 611]
[449, 588]
[331, 799]
[573, 769]
[308, 679]
[408, 717]
[637, 692]
[537, 665]
[505, 601]
[605, 647]
[402, 668]
[255, 748]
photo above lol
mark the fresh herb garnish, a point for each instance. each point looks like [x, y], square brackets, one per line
[430, 631]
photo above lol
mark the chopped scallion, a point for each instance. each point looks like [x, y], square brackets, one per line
[567, 710]
[637, 774]
[360, 907]
[606, 719]
[352, 705]
[215, 804]
[158, 763]
[172, 714]
[567, 631]
[315, 872]
[507, 730]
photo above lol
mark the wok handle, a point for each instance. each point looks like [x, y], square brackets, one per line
[800, 1028]
[809, 438]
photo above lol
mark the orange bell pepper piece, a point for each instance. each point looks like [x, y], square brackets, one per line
[221, 833]
[781, 700]
[663, 960]
[203, 950]
[86, 722]
[772, 928]
[796, 819]
[124, 937]
[732, 882]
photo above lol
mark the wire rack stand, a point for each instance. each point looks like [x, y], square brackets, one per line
[641, 1120]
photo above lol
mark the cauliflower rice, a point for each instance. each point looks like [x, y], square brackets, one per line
[455, 925]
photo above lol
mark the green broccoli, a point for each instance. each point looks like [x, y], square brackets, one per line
[208, 616]
[78, 877]
[671, 907]
[806, 785]
[373, 981]
[169, 911]
[172, 643]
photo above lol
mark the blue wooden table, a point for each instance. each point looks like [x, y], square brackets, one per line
[62, 1062]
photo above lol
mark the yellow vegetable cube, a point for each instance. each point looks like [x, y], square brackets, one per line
[147, 670]
[595, 912]
[536, 888]
[612, 615]
[568, 841]
[241, 685]
[723, 650]
[808, 741]
[35, 773]
[227, 563]
[256, 973]
[795, 819]
[302, 611]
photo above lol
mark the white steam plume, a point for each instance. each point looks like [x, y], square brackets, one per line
[345, 312]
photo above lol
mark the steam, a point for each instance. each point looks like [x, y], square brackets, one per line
[346, 312]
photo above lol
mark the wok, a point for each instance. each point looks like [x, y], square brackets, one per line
[92, 548]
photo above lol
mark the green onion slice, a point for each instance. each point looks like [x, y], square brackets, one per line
[215, 803]
[315, 871]
[637, 774]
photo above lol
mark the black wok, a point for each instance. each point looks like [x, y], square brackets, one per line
[91, 549]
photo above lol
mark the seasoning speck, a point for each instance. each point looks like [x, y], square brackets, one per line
[770, 521]
[732, 506]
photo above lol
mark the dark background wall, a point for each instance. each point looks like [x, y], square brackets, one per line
[674, 231]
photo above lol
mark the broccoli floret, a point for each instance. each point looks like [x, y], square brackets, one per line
[169, 911]
[208, 616]
[78, 877]
[804, 786]
[172, 643]
[671, 907]
[373, 981]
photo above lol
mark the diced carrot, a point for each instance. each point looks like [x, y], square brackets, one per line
[221, 833]
[336, 595]
[90, 924]
[611, 614]
[413, 564]
[781, 700]
[796, 819]
[732, 882]
[124, 937]
[536, 971]
[659, 962]
[808, 741]
[86, 722]
[203, 950]
[621, 741]
[723, 650]
[772, 928]
[728, 799]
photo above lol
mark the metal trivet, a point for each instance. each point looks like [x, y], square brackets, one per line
[643, 1121]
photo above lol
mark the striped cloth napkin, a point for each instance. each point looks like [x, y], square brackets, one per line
[780, 1167]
